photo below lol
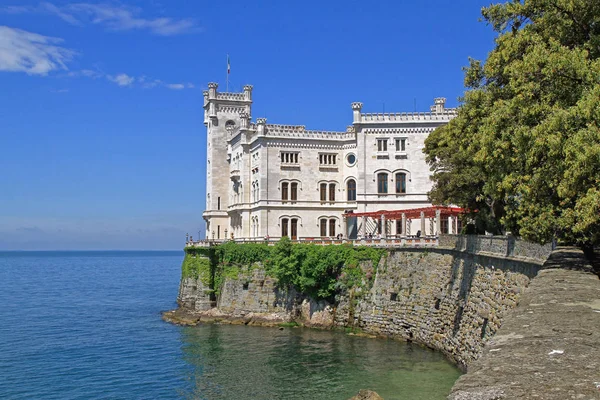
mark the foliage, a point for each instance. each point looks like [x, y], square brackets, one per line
[524, 149]
[318, 271]
[196, 267]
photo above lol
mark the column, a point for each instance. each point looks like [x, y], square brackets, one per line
[404, 224]
[383, 227]
[422, 223]
[364, 227]
[438, 223]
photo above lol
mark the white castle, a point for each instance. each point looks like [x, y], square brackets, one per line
[269, 181]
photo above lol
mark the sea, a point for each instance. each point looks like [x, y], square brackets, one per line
[87, 325]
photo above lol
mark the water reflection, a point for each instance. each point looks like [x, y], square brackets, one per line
[240, 362]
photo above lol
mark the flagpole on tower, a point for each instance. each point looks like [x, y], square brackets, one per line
[228, 71]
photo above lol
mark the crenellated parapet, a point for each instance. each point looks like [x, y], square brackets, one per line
[300, 132]
[445, 116]
[231, 96]
[216, 103]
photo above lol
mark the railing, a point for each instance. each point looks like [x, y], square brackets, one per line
[413, 241]
[505, 246]
[508, 246]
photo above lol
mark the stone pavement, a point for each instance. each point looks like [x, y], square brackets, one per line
[548, 346]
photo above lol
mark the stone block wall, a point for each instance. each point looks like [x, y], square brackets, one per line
[254, 292]
[452, 302]
[505, 246]
[194, 295]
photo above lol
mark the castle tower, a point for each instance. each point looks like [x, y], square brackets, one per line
[224, 115]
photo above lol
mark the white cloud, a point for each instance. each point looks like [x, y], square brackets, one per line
[15, 9]
[175, 86]
[34, 54]
[116, 18]
[126, 80]
[52, 9]
[121, 79]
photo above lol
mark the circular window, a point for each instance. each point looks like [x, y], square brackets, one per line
[351, 159]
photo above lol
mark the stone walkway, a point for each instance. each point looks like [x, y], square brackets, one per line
[549, 346]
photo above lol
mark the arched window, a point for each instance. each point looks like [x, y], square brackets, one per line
[382, 182]
[332, 227]
[323, 226]
[294, 191]
[332, 192]
[294, 228]
[351, 189]
[284, 191]
[323, 187]
[284, 227]
[400, 182]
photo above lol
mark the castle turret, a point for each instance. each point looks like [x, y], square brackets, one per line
[248, 92]
[356, 108]
[225, 116]
[439, 104]
[260, 126]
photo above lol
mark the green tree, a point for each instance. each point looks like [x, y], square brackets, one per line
[524, 149]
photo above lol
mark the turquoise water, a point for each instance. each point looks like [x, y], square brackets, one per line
[86, 325]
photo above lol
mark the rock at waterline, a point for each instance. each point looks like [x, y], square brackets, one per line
[364, 394]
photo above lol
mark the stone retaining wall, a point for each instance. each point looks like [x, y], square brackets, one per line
[450, 301]
[549, 346]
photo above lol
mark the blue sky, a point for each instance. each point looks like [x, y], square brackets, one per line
[102, 143]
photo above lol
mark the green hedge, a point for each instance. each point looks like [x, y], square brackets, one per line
[318, 271]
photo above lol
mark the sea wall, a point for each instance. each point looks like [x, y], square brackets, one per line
[523, 320]
[547, 347]
[449, 300]
[452, 298]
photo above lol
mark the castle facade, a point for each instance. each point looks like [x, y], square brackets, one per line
[271, 180]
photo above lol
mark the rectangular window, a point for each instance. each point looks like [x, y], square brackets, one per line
[400, 183]
[294, 191]
[323, 225]
[382, 144]
[400, 144]
[289, 158]
[332, 192]
[332, 227]
[399, 227]
[284, 227]
[284, 191]
[323, 192]
[329, 160]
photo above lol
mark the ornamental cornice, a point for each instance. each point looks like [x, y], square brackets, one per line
[231, 109]
[303, 145]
